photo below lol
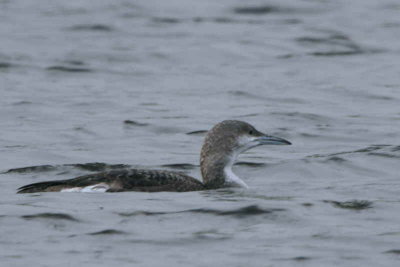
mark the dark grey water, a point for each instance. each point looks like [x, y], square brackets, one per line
[124, 82]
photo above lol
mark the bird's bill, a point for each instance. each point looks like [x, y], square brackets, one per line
[272, 140]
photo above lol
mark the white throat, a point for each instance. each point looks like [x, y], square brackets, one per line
[232, 179]
[245, 143]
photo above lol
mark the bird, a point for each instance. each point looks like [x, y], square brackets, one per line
[222, 145]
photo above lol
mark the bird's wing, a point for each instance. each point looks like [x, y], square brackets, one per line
[121, 180]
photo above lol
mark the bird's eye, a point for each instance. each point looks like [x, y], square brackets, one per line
[251, 132]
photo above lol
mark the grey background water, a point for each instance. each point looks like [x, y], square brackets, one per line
[124, 82]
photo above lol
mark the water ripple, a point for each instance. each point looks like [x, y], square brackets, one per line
[51, 216]
[108, 232]
[246, 211]
[68, 69]
[352, 205]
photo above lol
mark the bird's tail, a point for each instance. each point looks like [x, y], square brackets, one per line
[39, 187]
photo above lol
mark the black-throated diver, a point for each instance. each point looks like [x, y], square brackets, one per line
[223, 143]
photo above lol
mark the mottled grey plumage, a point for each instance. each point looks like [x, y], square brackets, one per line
[222, 144]
[124, 180]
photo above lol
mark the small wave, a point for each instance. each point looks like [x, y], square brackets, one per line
[309, 116]
[108, 232]
[40, 168]
[251, 164]
[211, 235]
[260, 10]
[199, 132]
[240, 212]
[336, 159]
[166, 20]
[23, 102]
[143, 212]
[134, 123]
[251, 210]
[332, 39]
[390, 233]
[335, 43]
[309, 135]
[52, 216]
[245, 94]
[91, 27]
[249, 115]
[226, 20]
[265, 9]
[182, 166]
[393, 251]
[396, 148]
[336, 53]
[301, 258]
[68, 69]
[384, 155]
[5, 65]
[353, 204]
[74, 62]
[362, 150]
[219, 20]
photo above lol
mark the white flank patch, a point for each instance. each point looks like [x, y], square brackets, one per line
[97, 188]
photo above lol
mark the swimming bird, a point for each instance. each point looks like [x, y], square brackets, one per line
[222, 144]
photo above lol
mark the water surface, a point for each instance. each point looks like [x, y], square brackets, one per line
[137, 83]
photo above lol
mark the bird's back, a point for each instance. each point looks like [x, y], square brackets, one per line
[121, 180]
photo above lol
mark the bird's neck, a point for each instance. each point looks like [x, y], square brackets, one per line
[232, 179]
[217, 171]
